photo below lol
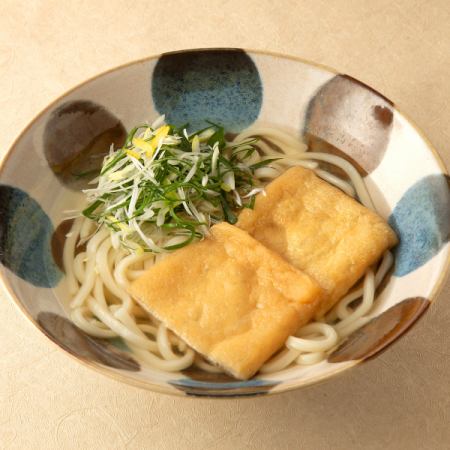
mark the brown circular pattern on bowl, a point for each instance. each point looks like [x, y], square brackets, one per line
[58, 240]
[77, 342]
[77, 137]
[351, 120]
[381, 331]
[197, 374]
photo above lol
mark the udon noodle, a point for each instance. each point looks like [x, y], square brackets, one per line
[98, 276]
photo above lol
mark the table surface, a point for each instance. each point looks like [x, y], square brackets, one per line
[399, 400]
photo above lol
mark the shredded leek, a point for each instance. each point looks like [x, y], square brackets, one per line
[165, 183]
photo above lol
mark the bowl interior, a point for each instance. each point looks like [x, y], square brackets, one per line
[333, 113]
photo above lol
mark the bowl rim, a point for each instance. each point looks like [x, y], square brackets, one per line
[284, 386]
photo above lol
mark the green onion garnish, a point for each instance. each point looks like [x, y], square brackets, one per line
[165, 187]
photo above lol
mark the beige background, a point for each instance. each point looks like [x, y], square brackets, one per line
[400, 400]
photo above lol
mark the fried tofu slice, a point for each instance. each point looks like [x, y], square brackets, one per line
[318, 229]
[229, 298]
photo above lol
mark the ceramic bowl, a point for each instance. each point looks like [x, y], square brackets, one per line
[334, 113]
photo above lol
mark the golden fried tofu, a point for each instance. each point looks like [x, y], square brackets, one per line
[318, 229]
[230, 298]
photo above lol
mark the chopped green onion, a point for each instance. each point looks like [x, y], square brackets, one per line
[164, 188]
[263, 163]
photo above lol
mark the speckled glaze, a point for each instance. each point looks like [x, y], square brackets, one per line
[29, 256]
[219, 86]
[40, 178]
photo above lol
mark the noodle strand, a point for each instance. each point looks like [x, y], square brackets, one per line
[98, 278]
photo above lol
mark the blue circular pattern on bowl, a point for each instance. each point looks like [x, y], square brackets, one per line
[421, 219]
[221, 86]
[203, 388]
[25, 234]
